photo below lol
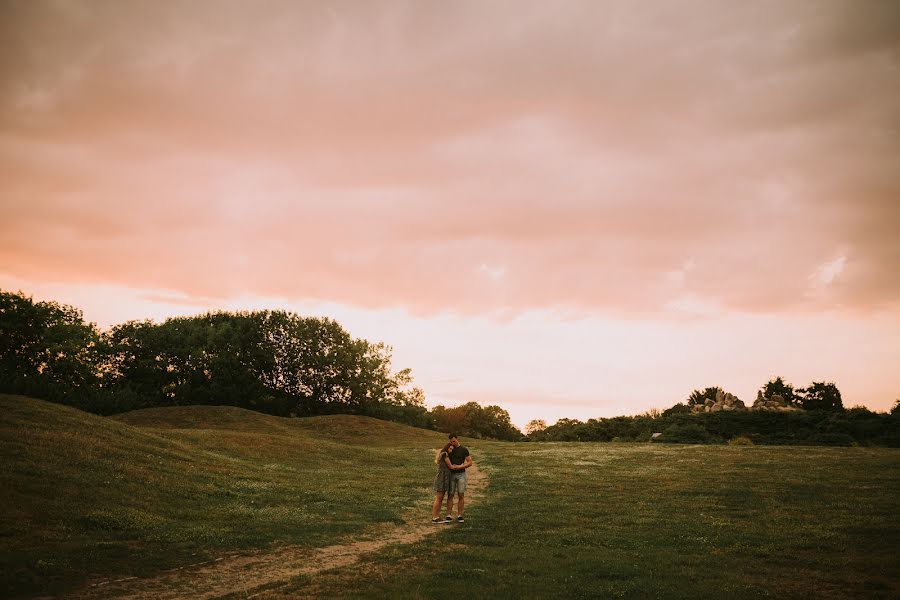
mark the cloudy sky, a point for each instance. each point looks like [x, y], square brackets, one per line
[566, 208]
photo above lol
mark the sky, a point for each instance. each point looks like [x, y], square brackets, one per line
[568, 209]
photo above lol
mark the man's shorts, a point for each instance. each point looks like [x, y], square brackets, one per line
[458, 483]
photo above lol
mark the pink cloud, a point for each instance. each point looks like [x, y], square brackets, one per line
[480, 159]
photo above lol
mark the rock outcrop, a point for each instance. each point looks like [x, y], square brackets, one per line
[724, 401]
[729, 402]
[773, 402]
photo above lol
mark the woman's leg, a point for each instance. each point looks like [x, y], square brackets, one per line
[436, 507]
[449, 504]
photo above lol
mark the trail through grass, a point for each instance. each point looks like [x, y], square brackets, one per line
[254, 574]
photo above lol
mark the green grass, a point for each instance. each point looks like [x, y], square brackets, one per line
[589, 520]
[87, 497]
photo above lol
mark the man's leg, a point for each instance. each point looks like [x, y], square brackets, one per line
[461, 495]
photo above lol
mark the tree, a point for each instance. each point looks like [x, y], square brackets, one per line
[698, 397]
[272, 361]
[208, 359]
[496, 423]
[450, 420]
[535, 425]
[777, 386]
[47, 343]
[820, 396]
[473, 420]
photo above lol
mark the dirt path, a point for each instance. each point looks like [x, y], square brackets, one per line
[248, 575]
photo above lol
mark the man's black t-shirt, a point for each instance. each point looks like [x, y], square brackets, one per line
[458, 457]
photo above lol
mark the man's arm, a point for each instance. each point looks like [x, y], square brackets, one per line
[467, 463]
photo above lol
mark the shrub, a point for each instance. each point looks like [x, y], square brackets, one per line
[691, 433]
[832, 439]
[741, 440]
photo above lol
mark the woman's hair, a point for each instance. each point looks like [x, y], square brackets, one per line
[437, 457]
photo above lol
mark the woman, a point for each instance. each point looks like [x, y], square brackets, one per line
[441, 482]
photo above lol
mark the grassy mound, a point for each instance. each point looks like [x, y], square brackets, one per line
[87, 496]
[334, 428]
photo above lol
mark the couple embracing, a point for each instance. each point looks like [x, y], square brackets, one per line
[452, 461]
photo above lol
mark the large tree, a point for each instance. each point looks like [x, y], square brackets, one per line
[46, 343]
[820, 395]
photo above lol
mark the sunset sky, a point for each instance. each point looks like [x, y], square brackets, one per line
[569, 209]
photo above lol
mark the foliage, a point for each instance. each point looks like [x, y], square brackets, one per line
[474, 420]
[678, 409]
[47, 349]
[777, 386]
[626, 429]
[535, 425]
[820, 396]
[280, 363]
[46, 341]
[686, 433]
[698, 397]
[832, 439]
[741, 440]
[862, 426]
[274, 362]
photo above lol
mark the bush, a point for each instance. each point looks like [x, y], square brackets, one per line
[741, 440]
[832, 439]
[691, 433]
[678, 409]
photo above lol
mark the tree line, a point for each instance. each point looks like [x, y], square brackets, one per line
[280, 363]
[275, 362]
[820, 420]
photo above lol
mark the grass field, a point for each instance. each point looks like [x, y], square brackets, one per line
[588, 520]
[89, 497]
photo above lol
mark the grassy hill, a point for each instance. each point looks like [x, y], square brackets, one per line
[87, 496]
[331, 428]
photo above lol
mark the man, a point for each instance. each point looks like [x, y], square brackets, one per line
[461, 460]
